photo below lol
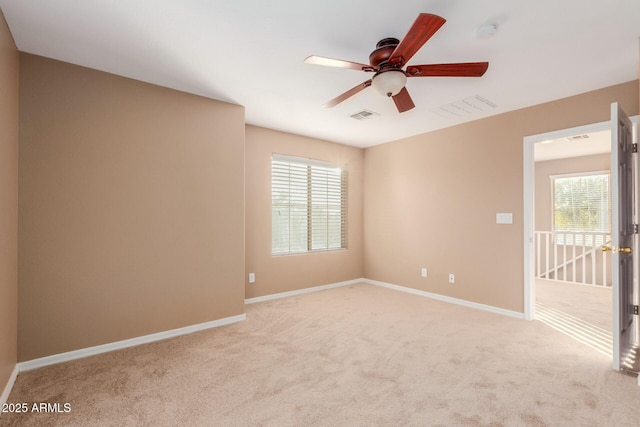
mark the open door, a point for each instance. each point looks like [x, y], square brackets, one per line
[622, 239]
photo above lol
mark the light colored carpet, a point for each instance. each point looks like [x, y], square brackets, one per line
[353, 356]
[591, 304]
[582, 312]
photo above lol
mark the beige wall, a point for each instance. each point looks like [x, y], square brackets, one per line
[431, 200]
[276, 274]
[132, 203]
[8, 203]
[131, 208]
[543, 172]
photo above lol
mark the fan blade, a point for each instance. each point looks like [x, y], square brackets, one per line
[422, 29]
[330, 62]
[463, 69]
[403, 100]
[348, 94]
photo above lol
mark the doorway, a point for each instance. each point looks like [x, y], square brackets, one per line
[559, 270]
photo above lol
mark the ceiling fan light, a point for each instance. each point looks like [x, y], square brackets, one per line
[389, 83]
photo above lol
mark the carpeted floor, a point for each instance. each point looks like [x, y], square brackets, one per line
[582, 312]
[591, 304]
[353, 356]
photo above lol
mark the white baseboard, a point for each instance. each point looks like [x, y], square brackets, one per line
[7, 388]
[118, 345]
[302, 291]
[431, 295]
[451, 300]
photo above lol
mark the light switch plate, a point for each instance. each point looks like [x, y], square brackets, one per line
[504, 218]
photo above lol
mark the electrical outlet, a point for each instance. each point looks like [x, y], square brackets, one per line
[423, 273]
[252, 277]
[452, 278]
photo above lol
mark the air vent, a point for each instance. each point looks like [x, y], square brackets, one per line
[465, 107]
[364, 115]
[577, 138]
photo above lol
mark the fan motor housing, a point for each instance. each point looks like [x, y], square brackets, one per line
[384, 49]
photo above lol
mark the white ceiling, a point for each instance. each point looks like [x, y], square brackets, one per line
[251, 52]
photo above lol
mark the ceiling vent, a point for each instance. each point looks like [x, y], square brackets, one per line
[577, 138]
[364, 115]
[465, 107]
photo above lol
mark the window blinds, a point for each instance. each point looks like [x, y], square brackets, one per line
[309, 205]
[582, 203]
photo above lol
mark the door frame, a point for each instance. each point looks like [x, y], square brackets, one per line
[529, 200]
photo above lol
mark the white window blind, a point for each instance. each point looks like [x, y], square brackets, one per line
[581, 204]
[308, 205]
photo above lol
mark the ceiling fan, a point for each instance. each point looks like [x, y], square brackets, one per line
[389, 58]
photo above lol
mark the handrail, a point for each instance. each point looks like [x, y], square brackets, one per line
[578, 257]
[568, 262]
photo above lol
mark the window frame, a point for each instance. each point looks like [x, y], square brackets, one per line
[313, 166]
[554, 229]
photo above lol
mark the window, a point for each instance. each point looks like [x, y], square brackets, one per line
[308, 205]
[581, 204]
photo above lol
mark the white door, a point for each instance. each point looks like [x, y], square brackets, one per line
[622, 237]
